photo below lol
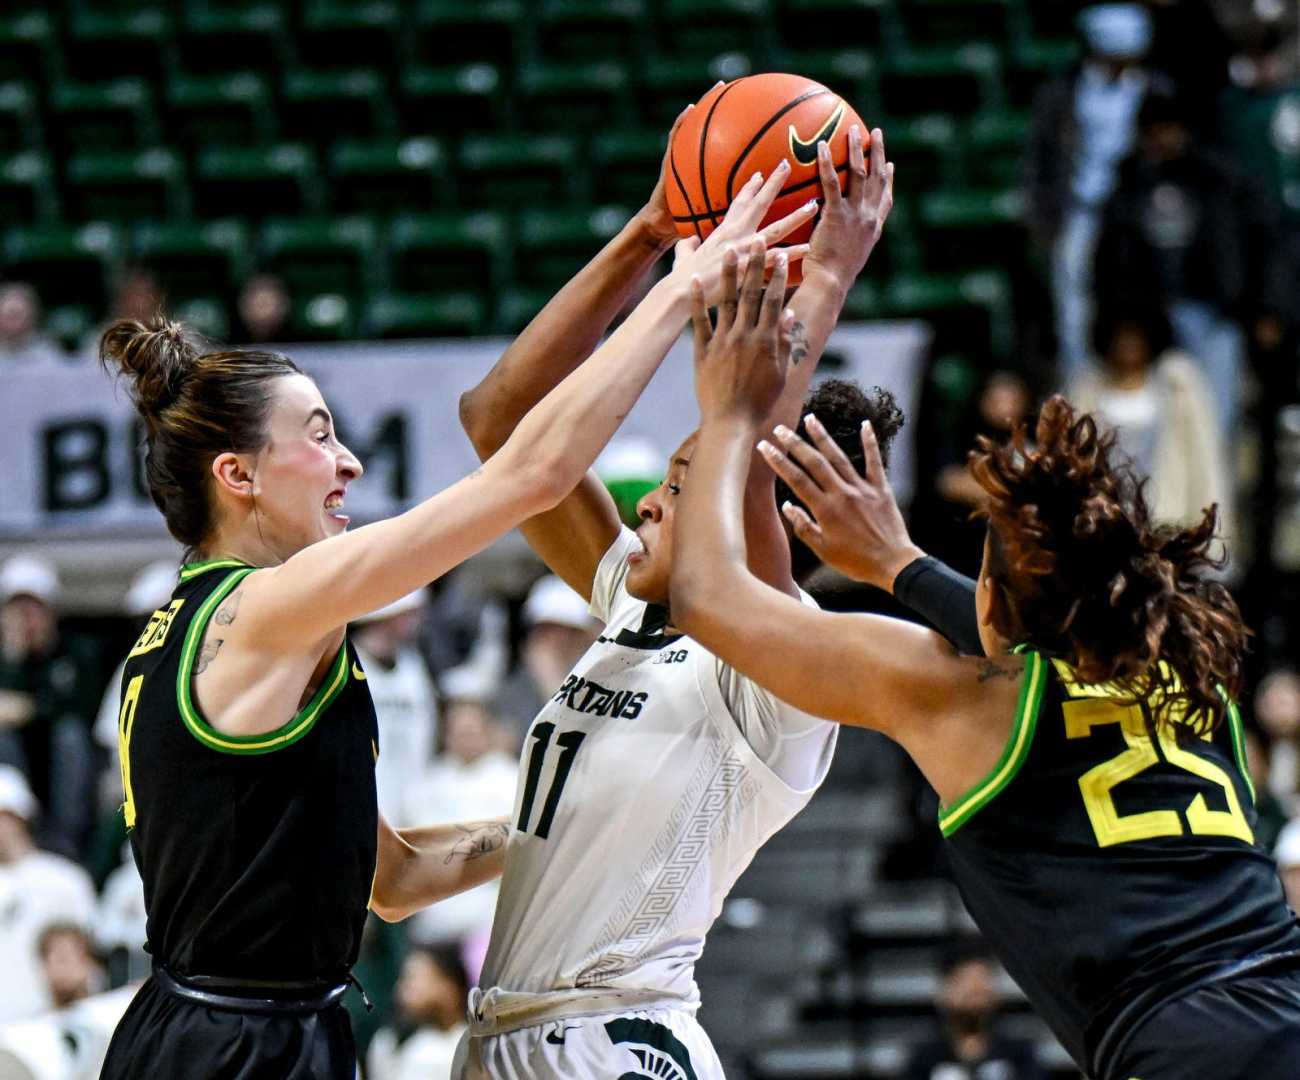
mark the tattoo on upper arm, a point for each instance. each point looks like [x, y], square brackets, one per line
[207, 654]
[229, 609]
[798, 344]
[991, 669]
[478, 838]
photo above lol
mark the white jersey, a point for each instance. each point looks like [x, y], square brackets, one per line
[646, 785]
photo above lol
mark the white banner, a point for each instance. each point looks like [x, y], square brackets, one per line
[72, 441]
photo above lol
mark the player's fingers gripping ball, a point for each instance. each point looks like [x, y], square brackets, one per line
[748, 126]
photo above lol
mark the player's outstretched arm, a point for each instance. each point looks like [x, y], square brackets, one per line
[420, 866]
[856, 669]
[847, 232]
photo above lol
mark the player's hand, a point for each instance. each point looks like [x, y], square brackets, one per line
[740, 364]
[739, 229]
[851, 223]
[855, 524]
[655, 216]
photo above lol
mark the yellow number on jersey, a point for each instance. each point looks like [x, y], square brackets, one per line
[125, 724]
[1093, 707]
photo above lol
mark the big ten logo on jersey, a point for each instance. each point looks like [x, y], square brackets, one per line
[671, 656]
[155, 632]
[584, 696]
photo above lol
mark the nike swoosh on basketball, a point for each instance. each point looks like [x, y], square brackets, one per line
[805, 151]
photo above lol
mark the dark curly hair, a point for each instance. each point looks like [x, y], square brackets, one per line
[1089, 578]
[841, 405]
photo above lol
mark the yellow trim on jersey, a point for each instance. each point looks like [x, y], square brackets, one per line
[194, 569]
[952, 818]
[295, 729]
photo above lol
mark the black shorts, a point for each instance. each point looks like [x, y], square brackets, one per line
[1247, 1028]
[165, 1036]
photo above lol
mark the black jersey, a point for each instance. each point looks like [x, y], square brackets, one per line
[257, 852]
[1112, 863]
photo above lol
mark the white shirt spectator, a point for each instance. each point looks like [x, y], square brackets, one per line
[407, 710]
[425, 1055]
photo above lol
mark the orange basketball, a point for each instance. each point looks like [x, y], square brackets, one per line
[748, 126]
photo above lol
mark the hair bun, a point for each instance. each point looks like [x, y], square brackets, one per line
[157, 356]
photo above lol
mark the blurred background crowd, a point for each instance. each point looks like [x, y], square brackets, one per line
[1102, 199]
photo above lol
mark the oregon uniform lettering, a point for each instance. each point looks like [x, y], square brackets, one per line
[250, 871]
[1094, 808]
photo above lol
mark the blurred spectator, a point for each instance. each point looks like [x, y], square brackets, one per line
[68, 963]
[431, 995]
[469, 781]
[1083, 126]
[558, 630]
[120, 927]
[137, 295]
[1287, 854]
[263, 310]
[1277, 711]
[1179, 227]
[49, 688]
[1158, 404]
[1271, 815]
[21, 342]
[404, 697]
[1191, 47]
[37, 889]
[969, 1047]
[629, 467]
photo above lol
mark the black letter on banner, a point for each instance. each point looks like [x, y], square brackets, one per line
[388, 441]
[76, 465]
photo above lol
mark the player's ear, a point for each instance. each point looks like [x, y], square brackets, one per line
[234, 474]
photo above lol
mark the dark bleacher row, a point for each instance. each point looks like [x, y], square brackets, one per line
[232, 135]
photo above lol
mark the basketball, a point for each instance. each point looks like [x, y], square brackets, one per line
[748, 126]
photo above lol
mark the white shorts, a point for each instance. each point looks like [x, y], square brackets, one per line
[660, 1044]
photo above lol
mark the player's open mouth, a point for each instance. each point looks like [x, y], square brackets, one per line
[334, 507]
[639, 554]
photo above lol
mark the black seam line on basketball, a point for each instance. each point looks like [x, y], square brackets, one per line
[704, 136]
[694, 218]
[731, 176]
[784, 191]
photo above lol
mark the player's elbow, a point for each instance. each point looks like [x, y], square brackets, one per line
[387, 903]
[476, 418]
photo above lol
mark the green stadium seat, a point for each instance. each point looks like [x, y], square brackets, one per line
[925, 150]
[127, 185]
[66, 264]
[20, 124]
[453, 100]
[104, 43]
[450, 251]
[994, 145]
[522, 170]
[326, 317]
[900, 248]
[933, 22]
[28, 46]
[213, 38]
[397, 315]
[226, 109]
[449, 32]
[195, 259]
[575, 96]
[971, 311]
[851, 73]
[355, 101]
[1034, 61]
[864, 301]
[818, 25]
[625, 165]
[941, 79]
[666, 85]
[208, 315]
[966, 228]
[340, 33]
[1050, 20]
[321, 255]
[27, 189]
[516, 308]
[585, 29]
[256, 182]
[708, 27]
[391, 175]
[118, 114]
[553, 245]
[69, 325]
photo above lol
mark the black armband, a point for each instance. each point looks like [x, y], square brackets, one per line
[943, 598]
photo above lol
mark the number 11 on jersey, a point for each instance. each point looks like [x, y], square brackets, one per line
[568, 742]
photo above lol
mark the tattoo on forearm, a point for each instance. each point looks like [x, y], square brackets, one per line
[798, 344]
[207, 654]
[229, 609]
[478, 838]
[991, 669]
